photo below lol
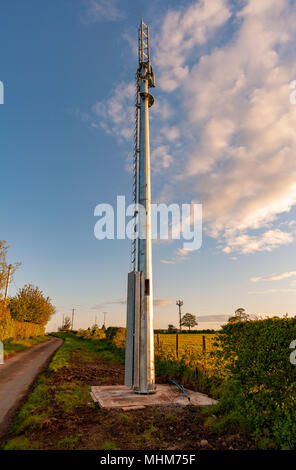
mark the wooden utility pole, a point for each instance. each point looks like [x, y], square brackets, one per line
[105, 313]
[7, 282]
[180, 303]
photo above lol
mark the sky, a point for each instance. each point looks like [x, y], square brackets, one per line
[222, 134]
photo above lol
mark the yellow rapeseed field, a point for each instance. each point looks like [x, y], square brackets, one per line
[194, 350]
[183, 343]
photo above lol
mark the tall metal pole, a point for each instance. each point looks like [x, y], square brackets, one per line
[139, 370]
[180, 303]
[7, 282]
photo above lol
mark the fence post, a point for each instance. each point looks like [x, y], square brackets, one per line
[177, 346]
[203, 343]
[158, 342]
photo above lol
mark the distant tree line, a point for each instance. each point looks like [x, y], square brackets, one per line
[184, 332]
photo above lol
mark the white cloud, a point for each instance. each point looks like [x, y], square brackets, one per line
[116, 115]
[102, 10]
[161, 158]
[230, 105]
[180, 255]
[268, 241]
[236, 96]
[274, 277]
[162, 302]
[170, 133]
[181, 31]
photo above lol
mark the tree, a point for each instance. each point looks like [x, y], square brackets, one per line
[66, 326]
[239, 315]
[172, 329]
[189, 321]
[4, 266]
[30, 305]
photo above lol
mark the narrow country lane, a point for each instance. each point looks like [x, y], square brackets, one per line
[17, 375]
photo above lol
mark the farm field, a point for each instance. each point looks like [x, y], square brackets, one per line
[178, 345]
[194, 349]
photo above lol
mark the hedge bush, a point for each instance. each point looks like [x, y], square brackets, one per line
[116, 335]
[10, 328]
[260, 386]
[91, 334]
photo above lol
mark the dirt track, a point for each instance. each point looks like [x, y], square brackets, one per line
[18, 374]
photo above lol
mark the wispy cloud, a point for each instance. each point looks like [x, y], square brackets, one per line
[122, 301]
[162, 302]
[274, 277]
[181, 31]
[212, 318]
[116, 114]
[267, 241]
[180, 255]
[102, 10]
[273, 291]
[236, 97]
[161, 158]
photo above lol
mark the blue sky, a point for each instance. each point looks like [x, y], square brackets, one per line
[222, 133]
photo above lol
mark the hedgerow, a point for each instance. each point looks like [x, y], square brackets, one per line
[10, 328]
[259, 389]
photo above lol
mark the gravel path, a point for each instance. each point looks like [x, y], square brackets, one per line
[18, 374]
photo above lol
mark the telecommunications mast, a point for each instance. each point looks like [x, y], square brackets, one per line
[139, 361]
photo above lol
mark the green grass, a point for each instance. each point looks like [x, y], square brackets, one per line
[88, 350]
[69, 395]
[35, 409]
[69, 442]
[47, 395]
[12, 346]
[20, 443]
[148, 436]
[52, 399]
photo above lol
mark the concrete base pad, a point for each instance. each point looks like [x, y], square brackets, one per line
[120, 396]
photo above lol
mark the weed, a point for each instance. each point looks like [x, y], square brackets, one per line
[20, 443]
[108, 445]
[69, 442]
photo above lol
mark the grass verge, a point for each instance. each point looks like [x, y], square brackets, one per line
[13, 346]
[59, 413]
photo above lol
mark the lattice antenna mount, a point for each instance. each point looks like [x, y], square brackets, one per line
[145, 68]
